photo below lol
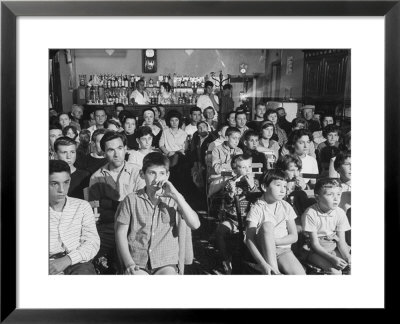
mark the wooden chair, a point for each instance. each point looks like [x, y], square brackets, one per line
[242, 260]
[257, 168]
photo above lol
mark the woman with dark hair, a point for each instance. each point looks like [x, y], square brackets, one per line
[299, 144]
[174, 144]
[71, 132]
[173, 141]
[166, 97]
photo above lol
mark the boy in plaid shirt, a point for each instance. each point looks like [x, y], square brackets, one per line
[241, 184]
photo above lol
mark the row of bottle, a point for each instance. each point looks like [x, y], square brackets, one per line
[108, 96]
[111, 81]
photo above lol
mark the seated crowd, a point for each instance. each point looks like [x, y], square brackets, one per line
[124, 189]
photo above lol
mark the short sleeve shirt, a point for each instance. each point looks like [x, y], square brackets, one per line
[153, 229]
[324, 224]
[140, 99]
[260, 212]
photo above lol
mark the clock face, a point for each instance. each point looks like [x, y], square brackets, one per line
[149, 53]
[242, 70]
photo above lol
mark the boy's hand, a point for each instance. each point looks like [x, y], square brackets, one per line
[300, 183]
[339, 263]
[131, 270]
[168, 190]
[58, 265]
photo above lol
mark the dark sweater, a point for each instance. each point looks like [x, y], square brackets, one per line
[93, 164]
[79, 180]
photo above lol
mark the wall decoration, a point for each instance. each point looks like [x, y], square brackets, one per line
[149, 60]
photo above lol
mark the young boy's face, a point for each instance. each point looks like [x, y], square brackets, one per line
[267, 132]
[302, 145]
[145, 142]
[292, 170]
[243, 167]
[67, 153]
[252, 142]
[59, 183]
[332, 138]
[196, 116]
[154, 176]
[329, 198]
[345, 170]
[277, 189]
[233, 140]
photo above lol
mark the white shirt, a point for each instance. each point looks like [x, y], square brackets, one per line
[309, 165]
[281, 213]
[190, 129]
[173, 142]
[204, 101]
[136, 158]
[73, 230]
[91, 129]
[139, 98]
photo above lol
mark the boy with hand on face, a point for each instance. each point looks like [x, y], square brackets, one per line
[241, 184]
[148, 220]
[325, 224]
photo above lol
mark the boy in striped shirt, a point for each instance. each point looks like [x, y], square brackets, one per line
[74, 240]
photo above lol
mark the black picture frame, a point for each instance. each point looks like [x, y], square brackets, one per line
[11, 10]
[149, 65]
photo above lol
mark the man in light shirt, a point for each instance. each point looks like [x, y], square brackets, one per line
[140, 95]
[209, 99]
[109, 185]
[195, 117]
[74, 240]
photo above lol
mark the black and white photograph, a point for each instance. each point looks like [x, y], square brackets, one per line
[211, 142]
[199, 161]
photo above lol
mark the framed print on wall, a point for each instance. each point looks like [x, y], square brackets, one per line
[10, 203]
[149, 60]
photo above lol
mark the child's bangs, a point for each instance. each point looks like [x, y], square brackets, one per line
[327, 183]
[271, 175]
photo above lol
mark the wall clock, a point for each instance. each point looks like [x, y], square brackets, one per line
[149, 60]
[243, 68]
